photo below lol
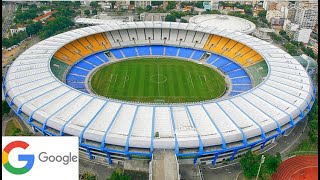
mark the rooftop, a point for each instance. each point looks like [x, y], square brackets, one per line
[224, 22]
[44, 15]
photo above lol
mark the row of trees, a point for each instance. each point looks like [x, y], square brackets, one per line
[294, 48]
[174, 15]
[22, 17]
[94, 5]
[59, 24]
[15, 39]
[250, 163]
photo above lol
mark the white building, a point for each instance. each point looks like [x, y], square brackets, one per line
[306, 17]
[19, 29]
[274, 14]
[302, 35]
[142, 4]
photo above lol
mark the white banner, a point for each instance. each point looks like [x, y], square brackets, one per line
[43, 157]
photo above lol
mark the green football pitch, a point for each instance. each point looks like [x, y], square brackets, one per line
[158, 80]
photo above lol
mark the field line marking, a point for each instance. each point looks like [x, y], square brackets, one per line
[199, 76]
[190, 77]
[158, 80]
[110, 79]
[126, 78]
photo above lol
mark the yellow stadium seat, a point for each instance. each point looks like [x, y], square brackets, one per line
[106, 40]
[83, 51]
[247, 56]
[214, 41]
[85, 43]
[72, 49]
[218, 48]
[208, 43]
[95, 44]
[231, 53]
[228, 46]
[58, 55]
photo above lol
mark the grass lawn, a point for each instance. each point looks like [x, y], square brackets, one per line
[12, 128]
[158, 80]
[305, 147]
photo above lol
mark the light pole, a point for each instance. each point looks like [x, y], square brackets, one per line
[262, 161]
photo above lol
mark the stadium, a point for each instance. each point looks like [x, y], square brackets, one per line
[258, 90]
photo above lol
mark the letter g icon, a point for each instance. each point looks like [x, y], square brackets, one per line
[26, 157]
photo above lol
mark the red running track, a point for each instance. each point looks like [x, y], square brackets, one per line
[298, 168]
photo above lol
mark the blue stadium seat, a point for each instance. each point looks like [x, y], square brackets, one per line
[237, 73]
[242, 80]
[84, 90]
[102, 56]
[143, 50]
[157, 50]
[117, 53]
[73, 78]
[93, 60]
[129, 51]
[241, 87]
[185, 52]
[84, 65]
[212, 58]
[171, 51]
[221, 62]
[75, 70]
[232, 93]
[230, 67]
[77, 85]
[197, 54]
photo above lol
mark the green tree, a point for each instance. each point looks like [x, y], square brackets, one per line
[5, 108]
[250, 164]
[170, 18]
[148, 8]
[87, 12]
[262, 14]
[248, 10]
[94, 4]
[77, 4]
[57, 25]
[94, 12]
[156, 3]
[199, 4]
[34, 28]
[183, 21]
[118, 174]
[171, 5]
[296, 43]
[291, 49]
[15, 39]
[139, 10]
[88, 176]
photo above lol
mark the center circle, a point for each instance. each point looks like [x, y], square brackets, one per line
[157, 80]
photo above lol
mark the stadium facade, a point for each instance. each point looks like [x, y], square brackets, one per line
[46, 87]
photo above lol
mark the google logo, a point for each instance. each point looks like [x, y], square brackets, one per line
[26, 157]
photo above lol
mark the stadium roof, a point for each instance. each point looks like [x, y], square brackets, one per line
[224, 22]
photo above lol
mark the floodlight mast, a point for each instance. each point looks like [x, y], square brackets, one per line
[261, 162]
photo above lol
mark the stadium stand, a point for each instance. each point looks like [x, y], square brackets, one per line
[203, 132]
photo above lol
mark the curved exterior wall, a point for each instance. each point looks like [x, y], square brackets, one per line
[113, 127]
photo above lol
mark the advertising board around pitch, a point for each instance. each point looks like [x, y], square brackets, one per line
[46, 157]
